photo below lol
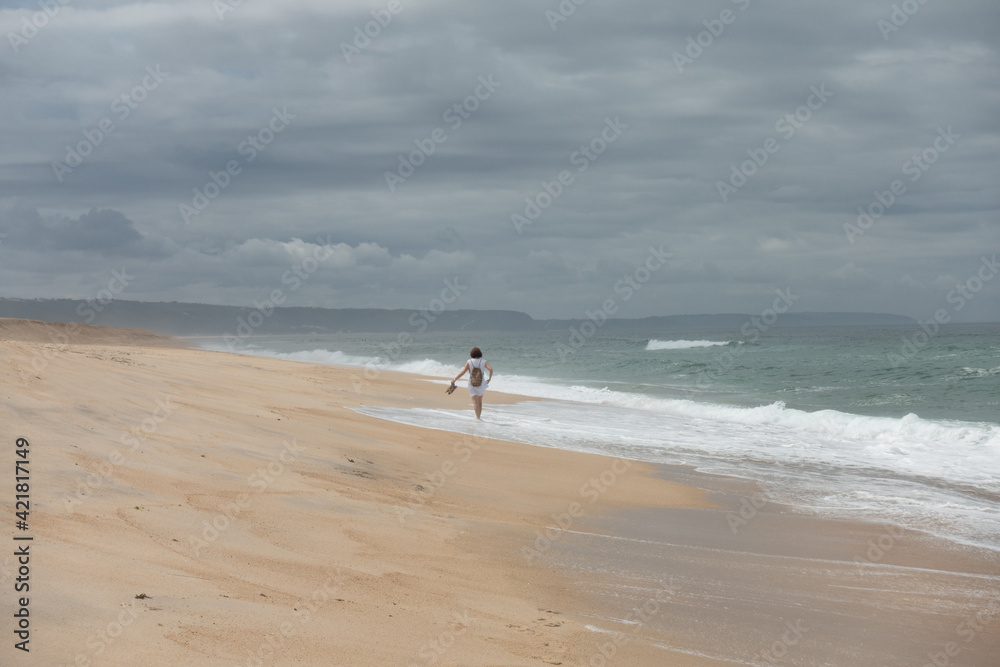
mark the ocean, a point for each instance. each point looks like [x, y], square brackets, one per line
[869, 423]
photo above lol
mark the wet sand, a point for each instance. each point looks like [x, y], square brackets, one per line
[758, 583]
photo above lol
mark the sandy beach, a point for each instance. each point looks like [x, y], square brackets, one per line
[196, 507]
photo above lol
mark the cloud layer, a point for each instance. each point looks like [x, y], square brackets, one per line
[535, 150]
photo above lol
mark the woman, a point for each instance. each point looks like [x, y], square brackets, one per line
[476, 392]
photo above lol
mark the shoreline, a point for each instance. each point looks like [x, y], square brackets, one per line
[256, 477]
[943, 591]
[806, 499]
[198, 507]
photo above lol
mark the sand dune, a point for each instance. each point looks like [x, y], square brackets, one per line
[74, 333]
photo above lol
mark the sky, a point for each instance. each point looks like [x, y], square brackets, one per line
[556, 158]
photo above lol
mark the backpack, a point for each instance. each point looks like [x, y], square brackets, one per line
[475, 374]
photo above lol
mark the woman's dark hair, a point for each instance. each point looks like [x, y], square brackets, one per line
[476, 353]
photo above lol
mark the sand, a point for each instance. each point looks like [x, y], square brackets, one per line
[191, 507]
[761, 583]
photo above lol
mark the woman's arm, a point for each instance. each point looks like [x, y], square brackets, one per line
[490, 369]
[464, 368]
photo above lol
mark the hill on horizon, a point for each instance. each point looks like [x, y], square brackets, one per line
[193, 319]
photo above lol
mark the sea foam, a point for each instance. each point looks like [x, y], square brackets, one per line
[654, 344]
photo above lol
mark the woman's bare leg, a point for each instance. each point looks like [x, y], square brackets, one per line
[478, 400]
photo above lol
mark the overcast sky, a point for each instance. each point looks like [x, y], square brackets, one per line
[846, 101]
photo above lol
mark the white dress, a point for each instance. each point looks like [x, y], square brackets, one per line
[481, 389]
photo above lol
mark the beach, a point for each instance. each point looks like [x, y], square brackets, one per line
[197, 507]
[194, 507]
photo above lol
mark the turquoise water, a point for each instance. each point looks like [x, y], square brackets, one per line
[955, 376]
[886, 423]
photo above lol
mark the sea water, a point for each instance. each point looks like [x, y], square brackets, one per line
[876, 423]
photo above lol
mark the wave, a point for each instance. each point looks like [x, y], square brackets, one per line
[828, 424]
[980, 372]
[427, 367]
[682, 344]
[320, 356]
[891, 436]
[338, 358]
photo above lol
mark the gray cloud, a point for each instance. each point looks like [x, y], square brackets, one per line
[323, 175]
[106, 233]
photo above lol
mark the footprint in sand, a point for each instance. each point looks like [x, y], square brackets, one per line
[520, 628]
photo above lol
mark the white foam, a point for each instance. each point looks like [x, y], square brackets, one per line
[909, 436]
[905, 436]
[337, 358]
[333, 358]
[681, 344]
[981, 372]
[427, 367]
[827, 423]
[919, 473]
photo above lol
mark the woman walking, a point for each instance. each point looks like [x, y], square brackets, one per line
[477, 383]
